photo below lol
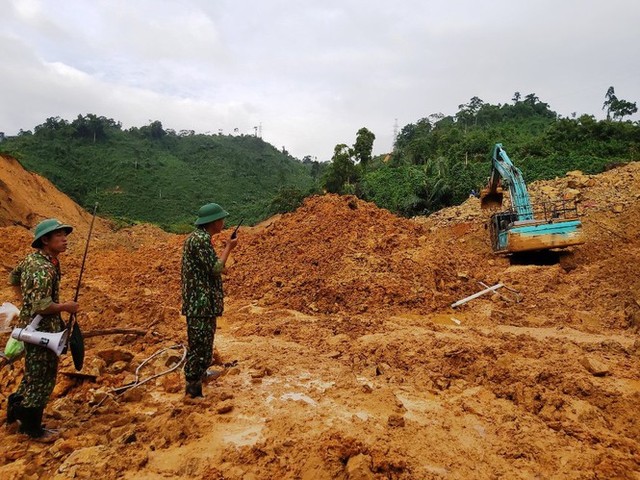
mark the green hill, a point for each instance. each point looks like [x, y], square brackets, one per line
[149, 174]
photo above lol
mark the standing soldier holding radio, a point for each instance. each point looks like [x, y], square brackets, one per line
[202, 294]
[38, 277]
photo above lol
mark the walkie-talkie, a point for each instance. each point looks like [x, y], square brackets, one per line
[235, 232]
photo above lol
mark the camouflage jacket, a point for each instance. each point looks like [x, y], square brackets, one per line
[202, 294]
[38, 276]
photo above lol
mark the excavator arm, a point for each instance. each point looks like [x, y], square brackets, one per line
[505, 172]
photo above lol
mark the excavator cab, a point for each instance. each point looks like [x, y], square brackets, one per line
[499, 225]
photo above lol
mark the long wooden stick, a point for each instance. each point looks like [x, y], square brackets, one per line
[86, 250]
[72, 317]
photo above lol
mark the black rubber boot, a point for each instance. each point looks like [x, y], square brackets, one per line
[13, 407]
[194, 389]
[31, 421]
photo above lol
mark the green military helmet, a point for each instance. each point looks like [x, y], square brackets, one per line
[210, 213]
[47, 226]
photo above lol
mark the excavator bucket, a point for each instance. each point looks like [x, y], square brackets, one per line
[491, 200]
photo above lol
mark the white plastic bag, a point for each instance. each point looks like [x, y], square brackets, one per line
[8, 312]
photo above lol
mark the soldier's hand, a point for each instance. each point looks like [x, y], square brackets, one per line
[231, 243]
[70, 307]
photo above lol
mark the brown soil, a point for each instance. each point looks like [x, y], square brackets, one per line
[26, 198]
[340, 357]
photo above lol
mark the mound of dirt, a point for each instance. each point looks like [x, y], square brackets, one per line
[341, 254]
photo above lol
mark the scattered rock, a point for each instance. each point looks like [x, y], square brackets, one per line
[117, 367]
[172, 361]
[571, 194]
[224, 407]
[172, 383]
[98, 396]
[113, 355]
[359, 468]
[395, 420]
[382, 369]
[133, 395]
[595, 367]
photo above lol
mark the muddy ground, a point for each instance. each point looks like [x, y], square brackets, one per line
[339, 356]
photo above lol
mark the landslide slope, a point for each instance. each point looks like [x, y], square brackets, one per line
[26, 198]
[339, 355]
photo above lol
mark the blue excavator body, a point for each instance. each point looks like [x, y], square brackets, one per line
[524, 228]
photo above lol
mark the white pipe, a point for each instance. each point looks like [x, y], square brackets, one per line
[476, 295]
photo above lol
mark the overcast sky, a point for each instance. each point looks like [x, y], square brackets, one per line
[309, 73]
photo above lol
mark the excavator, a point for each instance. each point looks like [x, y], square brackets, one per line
[525, 227]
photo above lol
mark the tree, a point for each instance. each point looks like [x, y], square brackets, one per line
[619, 108]
[469, 111]
[92, 127]
[439, 177]
[411, 131]
[286, 200]
[623, 108]
[52, 127]
[315, 167]
[609, 99]
[153, 131]
[341, 173]
[364, 146]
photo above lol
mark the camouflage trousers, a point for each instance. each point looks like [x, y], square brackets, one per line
[39, 380]
[200, 333]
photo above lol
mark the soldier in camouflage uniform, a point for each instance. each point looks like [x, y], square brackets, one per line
[202, 294]
[38, 277]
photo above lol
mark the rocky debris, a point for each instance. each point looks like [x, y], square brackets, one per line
[359, 468]
[395, 420]
[113, 355]
[595, 367]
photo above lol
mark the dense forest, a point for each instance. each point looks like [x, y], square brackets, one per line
[438, 160]
[156, 175]
[162, 176]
